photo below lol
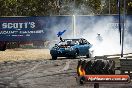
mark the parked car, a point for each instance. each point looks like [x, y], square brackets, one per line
[71, 48]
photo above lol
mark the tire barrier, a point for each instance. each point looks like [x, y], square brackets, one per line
[3, 46]
[96, 67]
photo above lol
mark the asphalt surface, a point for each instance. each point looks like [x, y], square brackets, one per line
[59, 73]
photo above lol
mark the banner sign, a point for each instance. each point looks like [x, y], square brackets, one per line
[31, 28]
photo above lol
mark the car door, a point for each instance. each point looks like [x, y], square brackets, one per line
[85, 47]
[82, 47]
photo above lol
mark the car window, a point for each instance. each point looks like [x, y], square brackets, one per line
[80, 41]
[68, 42]
[77, 42]
[85, 41]
[71, 42]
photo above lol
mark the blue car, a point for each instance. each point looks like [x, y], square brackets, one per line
[71, 48]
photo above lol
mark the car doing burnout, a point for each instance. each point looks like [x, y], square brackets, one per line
[71, 48]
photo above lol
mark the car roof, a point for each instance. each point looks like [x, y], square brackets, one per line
[74, 39]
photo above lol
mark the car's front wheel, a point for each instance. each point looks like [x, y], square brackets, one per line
[54, 57]
[76, 53]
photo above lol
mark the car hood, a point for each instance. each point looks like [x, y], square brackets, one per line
[65, 46]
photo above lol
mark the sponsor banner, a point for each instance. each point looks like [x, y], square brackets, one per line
[32, 28]
[107, 78]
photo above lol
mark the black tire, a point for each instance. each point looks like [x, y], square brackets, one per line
[97, 67]
[81, 80]
[111, 67]
[76, 53]
[88, 55]
[54, 57]
[89, 67]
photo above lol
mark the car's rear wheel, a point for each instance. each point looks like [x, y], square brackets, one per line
[54, 57]
[88, 55]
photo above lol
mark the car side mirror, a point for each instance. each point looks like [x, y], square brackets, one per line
[56, 45]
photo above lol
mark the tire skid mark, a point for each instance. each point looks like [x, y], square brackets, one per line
[27, 71]
[55, 72]
[23, 72]
[66, 67]
[15, 77]
[13, 72]
[58, 70]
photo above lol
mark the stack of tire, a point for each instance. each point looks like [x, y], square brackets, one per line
[97, 67]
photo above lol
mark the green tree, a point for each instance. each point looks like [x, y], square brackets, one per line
[60, 7]
[129, 6]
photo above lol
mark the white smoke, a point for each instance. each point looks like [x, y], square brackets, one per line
[111, 38]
